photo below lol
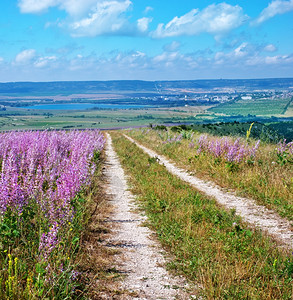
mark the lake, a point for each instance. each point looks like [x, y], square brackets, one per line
[84, 106]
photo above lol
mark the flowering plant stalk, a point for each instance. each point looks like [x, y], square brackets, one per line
[41, 177]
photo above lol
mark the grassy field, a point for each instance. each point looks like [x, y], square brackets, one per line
[258, 107]
[211, 246]
[289, 112]
[24, 119]
[267, 177]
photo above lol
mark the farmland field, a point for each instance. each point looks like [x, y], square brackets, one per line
[24, 119]
[254, 107]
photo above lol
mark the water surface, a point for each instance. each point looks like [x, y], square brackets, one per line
[84, 106]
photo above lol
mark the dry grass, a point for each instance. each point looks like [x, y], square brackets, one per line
[99, 269]
[212, 246]
[264, 180]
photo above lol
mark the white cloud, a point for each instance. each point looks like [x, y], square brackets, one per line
[72, 7]
[270, 48]
[167, 57]
[276, 7]
[143, 24]
[90, 17]
[25, 56]
[148, 9]
[107, 17]
[174, 46]
[77, 7]
[241, 50]
[1, 60]
[278, 59]
[249, 55]
[29, 57]
[248, 59]
[36, 6]
[215, 19]
[174, 61]
[44, 61]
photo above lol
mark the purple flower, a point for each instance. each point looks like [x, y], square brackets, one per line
[49, 241]
[231, 151]
[46, 169]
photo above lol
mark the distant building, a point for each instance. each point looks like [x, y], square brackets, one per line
[246, 97]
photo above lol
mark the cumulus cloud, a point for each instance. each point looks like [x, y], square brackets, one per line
[36, 6]
[107, 17]
[241, 50]
[25, 56]
[215, 19]
[276, 7]
[249, 55]
[72, 7]
[250, 61]
[270, 48]
[90, 17]
[143, 24]
[134, 64]
[174, 46]
[29, 57]
[148, 9]
[279, 59]
[77, 7]
[42, 62]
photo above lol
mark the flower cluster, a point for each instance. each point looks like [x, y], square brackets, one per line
[284, 147]
[285, 152]
[227, 149]
[174, 139]
[46, 169]
[49, 241]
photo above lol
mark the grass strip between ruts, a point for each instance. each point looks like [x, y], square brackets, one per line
[264, 180]
[212, 246]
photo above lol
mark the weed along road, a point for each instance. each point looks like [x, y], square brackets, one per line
[141, 256]
[215, 249]
[255, 215]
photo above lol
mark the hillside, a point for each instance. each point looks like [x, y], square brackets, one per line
[62, 87]
[75, 206]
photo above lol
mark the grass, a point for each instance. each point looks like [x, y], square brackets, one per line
[265, 178]
[24, 274]
[23, 119]
[253, 107]
[212, 246]
[95, 261]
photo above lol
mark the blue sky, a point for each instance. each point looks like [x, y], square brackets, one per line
[48, 40]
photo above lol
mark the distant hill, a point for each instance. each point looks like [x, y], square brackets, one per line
[58, 87]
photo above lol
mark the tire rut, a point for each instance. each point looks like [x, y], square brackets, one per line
[253, 214]
[142, 259]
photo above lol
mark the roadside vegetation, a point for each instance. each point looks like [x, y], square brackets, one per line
[46, 198]
[259, 131]
[253, 168]
[211, 246]
[96, 263]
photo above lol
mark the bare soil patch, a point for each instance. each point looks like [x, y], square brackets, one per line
[140, 258]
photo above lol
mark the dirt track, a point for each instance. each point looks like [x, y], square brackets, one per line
[252, 213]
[142, 258]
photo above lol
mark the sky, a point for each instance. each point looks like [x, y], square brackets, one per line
[52, 40]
